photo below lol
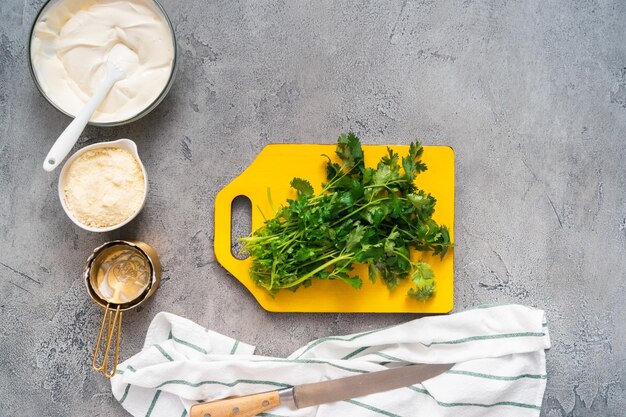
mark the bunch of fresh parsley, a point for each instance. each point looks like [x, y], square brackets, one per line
[362, 215]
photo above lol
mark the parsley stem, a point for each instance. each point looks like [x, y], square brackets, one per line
[328, 255]
[352, 213]
[402, 256]
[316, 270]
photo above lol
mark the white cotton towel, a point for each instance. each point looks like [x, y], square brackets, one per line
[499, 354]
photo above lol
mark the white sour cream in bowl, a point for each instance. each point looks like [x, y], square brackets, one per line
[72, 40]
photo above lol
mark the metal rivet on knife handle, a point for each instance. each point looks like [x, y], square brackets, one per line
[246, 406]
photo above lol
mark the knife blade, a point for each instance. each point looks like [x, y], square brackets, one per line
[316, 393]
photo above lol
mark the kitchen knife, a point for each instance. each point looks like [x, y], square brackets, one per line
[308, 395]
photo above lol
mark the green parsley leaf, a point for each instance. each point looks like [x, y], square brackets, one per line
[303, 187]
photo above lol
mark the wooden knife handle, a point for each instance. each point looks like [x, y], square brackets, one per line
[246, 406]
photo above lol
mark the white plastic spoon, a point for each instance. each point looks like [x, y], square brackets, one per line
[70, 135]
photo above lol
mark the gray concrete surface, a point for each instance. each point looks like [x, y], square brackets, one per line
[531, 94]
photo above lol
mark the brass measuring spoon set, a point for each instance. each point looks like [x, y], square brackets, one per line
[119, 275]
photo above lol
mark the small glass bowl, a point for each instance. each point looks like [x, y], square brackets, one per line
[148, 109]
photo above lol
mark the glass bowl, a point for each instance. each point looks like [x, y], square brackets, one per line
[47, 5]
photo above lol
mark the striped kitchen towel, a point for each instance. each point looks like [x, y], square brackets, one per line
[499, 354]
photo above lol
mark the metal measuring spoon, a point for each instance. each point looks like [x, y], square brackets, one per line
[119, 276]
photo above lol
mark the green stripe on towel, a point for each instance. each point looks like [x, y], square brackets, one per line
[227, 384]
[486, 337]
[154, 400]
[371, 408]
[234, 349]
[164, 353]
[315, 361]
[499, 403]
[125, 393]
[356, 352]
[186, 343]
[497, 377]
[447, 342]
[341, 339]
[128, 368]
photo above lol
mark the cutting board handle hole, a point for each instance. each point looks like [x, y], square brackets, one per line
[240, 224]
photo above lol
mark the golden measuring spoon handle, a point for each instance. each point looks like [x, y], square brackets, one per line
[111, 326]
[97, 348]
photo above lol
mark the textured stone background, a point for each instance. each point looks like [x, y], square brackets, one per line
[531, 94]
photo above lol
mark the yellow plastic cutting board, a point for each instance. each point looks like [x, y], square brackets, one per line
[274, 168]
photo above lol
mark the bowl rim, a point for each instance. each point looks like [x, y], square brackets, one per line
[145, 294]
[137, 116]
[123, 143]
